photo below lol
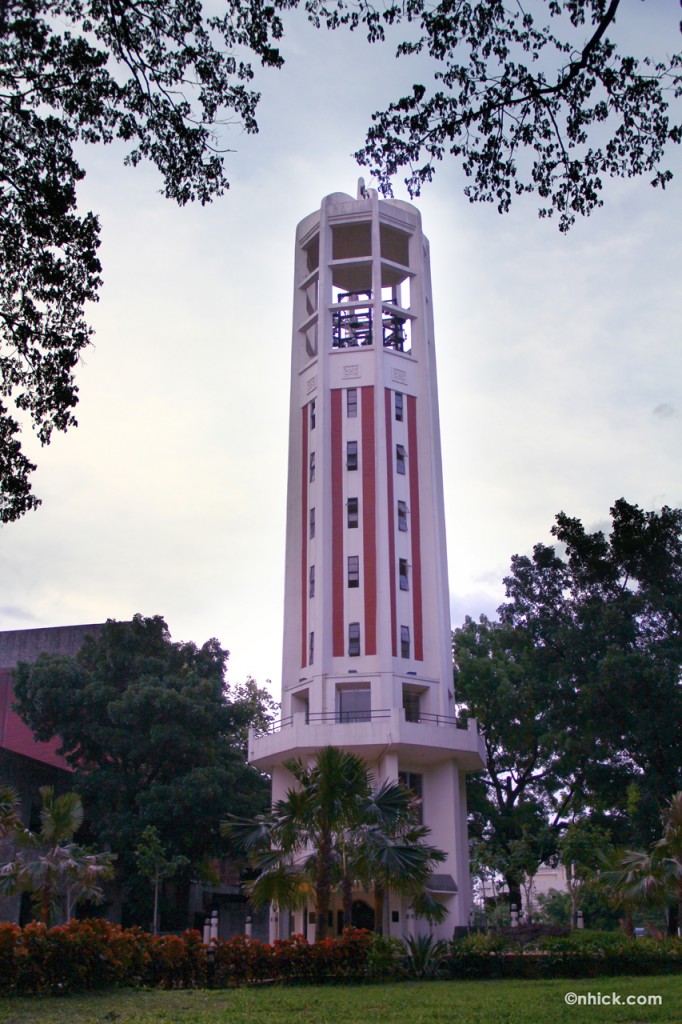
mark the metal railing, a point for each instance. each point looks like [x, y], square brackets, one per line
[375, 714]
[347, 716]
[426, 716]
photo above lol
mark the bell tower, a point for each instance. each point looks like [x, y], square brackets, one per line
[367, 662]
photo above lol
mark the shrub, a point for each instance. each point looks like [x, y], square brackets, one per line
[240, 961]
[580, 954]
[424, 957]
[89, 955]
[176, 961]
[10, 935]
[295, 959]
[385, 958]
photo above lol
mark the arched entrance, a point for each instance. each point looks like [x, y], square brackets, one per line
[362, 915]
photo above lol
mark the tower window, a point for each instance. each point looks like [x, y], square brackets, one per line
[311, 650]
[404, 641]
[312, 523]
[352, 513]
[355, 705]
[402, 516]
[398, 406]
[351, 402]
[311, 582]
[415, 782]
[353, 639]
[411, 705]
[400, 456]
[402, 573]
[312, 466]
[352, 455]
[312, 414]
[353, 571]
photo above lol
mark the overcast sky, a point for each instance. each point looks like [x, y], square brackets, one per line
[558, 362]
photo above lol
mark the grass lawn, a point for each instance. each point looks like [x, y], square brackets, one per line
[441, 1002]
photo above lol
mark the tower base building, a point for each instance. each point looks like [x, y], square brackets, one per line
[367, 663]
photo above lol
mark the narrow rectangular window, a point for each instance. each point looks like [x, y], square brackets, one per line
[353, 639]
[352, 513]
[312, 523]
[311, 652]
[415, 782]
[398, 406]
[311, 582]
[352, 455]
[400, 456]
[312, 414]
[402, 573]
[312, 466]
[402, 516]
[351, 402]
[411, 705]
[353, 571]
[404, 641]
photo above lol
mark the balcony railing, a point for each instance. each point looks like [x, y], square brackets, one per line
[347, 717]
[344, 717]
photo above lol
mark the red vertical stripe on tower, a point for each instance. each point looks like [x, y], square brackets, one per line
[413, 464]
[304, 536]
[391, 518]
[337, 523]
[369, 519]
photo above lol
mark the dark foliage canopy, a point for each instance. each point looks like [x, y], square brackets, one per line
[532, 97]
[154, 735]
[577, 687]
[160, 77]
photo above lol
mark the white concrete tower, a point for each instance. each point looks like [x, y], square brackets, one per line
[367, 662]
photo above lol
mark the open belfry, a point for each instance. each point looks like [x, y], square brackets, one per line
[367, 662]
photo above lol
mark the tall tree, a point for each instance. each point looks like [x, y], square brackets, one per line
[606, 622]
[577, 687]
[500, 681]
[155, 738]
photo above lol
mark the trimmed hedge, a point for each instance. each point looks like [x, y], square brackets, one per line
[578, 955]
[89, 955]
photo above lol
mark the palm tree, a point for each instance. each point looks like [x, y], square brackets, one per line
[631, 879]
[390, 852]
[635, 878]
[296, 846]
[669, 849]
[9, 811]
[51, 865]
[334, 830]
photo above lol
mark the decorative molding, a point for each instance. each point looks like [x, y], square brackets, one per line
[398, 375]
[351, 370]
[311, 385]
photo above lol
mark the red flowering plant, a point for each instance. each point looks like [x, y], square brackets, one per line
[240, 961]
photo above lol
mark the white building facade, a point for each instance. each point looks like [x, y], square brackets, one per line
[367, 662]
